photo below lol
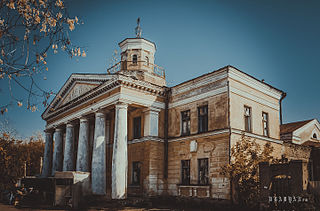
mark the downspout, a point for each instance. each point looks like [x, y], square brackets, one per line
[166, 128]
[229, 126]
[282, 97]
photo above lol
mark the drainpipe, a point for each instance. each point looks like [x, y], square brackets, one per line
[166, 128]
[282, 97]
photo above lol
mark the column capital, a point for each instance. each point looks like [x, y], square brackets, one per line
[84, 119]
[100, 113]
[69, 124]
[151, 109]
[121, 105]
[58, 129]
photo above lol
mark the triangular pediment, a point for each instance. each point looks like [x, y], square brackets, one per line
[310, 131]
[78, 89]
[76, 86]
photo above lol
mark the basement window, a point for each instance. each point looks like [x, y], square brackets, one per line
[247, 119]
[137, 127]
[135, 59]
[203, 119]
[185, 172]
[203, 178]
[185, 119]
[265, 124]
[136, 170]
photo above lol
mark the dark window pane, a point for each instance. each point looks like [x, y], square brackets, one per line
[137, 127]
[136, 169]
[134, 59]
[185, 120]
[203, 119]
[185, 172]
[247, 119]
[203, 178]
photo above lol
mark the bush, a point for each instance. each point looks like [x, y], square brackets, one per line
[243, 172]
[13, 154]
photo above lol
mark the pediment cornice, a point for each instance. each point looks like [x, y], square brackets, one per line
[114, 81]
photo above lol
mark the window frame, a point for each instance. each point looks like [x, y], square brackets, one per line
[185, 181]
[136, 136]
[265, 131]
[206, 169]
[203, 119]
[185, 117]
[136, 165]
[247, 128]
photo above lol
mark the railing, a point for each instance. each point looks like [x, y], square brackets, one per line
[123, 65]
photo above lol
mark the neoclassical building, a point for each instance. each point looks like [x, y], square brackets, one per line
[136, 136]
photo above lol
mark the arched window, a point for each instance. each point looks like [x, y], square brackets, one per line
[135, 59]
[147, 60]
[314, 136]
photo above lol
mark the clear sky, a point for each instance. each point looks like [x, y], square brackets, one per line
[277, 41]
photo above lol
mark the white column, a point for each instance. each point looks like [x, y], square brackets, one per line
[98, 172]
[120, 156]
[48, 152]
[68, 158]
[58, 151]
[83, 146]
[151, 122]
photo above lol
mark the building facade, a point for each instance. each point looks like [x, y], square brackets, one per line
[136, 136]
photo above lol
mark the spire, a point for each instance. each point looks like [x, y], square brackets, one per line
[138, 29]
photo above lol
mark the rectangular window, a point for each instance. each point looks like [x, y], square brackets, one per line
[203, 119]
[203, 178]
[265, 123]
[137, 127]
[136, 169]
[185, 119]
[247, 119]
[185, 172]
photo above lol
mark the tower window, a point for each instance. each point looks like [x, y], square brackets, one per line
[247, 119]
[265, 123]
[147, 60]
[135, 59]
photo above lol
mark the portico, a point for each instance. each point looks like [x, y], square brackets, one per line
[90, 122]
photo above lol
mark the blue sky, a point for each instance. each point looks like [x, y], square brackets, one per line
[277, 41]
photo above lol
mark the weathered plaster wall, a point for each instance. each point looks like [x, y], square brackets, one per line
[217, 115]
[259, 102]
[277, 147]
[215, 148]
[296, 152]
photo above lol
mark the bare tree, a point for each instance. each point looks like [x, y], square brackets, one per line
[28, 30]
